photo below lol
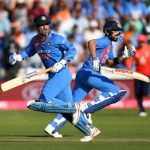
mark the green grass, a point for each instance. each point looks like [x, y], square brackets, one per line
[121, 130]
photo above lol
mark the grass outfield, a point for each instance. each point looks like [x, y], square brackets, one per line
[121, 130]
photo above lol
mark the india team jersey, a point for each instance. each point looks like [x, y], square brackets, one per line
[103, 52]
[51, 50]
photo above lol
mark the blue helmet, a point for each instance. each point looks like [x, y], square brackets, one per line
[42, 20]
[111, 25]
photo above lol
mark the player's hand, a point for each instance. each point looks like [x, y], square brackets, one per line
[58, 66]
[96, 65]
[129, 52]
[13, 58]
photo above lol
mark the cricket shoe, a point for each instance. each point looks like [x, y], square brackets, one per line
[94, 132]
[76, 115]
[49, 130]
[143, 114]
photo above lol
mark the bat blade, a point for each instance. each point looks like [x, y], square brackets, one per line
[127, 73]
[16, 82]
[23, 79]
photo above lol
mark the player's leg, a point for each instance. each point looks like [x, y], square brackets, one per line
[56, 105]
[139, 87]
[59, 121]
[51, 107]
[85, 127]
[110, 94]
[55, 125]
[79, 92]
[80, 89]
[48, 102]
[104, 100]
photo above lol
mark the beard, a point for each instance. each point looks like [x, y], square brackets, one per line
[114, 38]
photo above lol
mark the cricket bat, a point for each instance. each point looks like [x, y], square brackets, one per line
[35, 75]
[23, 79]
[127, 73]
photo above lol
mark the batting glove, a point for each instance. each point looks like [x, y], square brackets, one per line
[58, 66]
[129, 52]
[13, 58]
[96, 65]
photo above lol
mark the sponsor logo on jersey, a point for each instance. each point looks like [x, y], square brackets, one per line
[44, 54]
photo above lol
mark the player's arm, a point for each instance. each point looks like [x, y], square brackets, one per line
[92, 50]
[69, 54]
[70, 50]
[129, 51]
[25, 53]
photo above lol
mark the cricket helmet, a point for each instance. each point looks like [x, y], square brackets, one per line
[111, 25]
[42, 20]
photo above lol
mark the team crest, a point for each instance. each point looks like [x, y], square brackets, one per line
[43, 18]
[48, 44]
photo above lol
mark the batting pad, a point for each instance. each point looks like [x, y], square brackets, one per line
[83, 125]
[50, 107]
[109, 100]
[59, 126]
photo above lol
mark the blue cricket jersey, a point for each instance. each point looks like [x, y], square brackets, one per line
[51, 50]
[103, 52]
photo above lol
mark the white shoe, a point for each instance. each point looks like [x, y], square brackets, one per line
[49, 130]
[95, 131]
[143, 114]
[76, 115]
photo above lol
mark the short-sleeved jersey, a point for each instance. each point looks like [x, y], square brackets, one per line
[51, 50]
[103, 52]
[142, 60]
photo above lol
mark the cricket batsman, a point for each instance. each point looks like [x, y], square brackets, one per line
[56, 95]
[89, 76]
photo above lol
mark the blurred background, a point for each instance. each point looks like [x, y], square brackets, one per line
[78, 21]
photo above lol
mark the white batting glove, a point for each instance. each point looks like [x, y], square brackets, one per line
[129, 52]
[13, 58]
[96, 65]
[59, 65]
